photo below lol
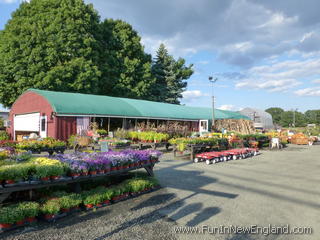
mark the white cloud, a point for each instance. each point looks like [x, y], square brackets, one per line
[271, 85]
[229, 107]
[313, 92]
[280, 76]
[193, 94]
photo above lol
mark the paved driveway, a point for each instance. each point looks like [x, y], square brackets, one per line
[277, 188]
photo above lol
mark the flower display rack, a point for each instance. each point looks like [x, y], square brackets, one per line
[6, 191]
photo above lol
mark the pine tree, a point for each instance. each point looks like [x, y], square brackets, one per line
[170, 75]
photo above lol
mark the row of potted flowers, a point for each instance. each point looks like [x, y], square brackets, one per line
[73, 165]
[60, 204]
[42, 145]
[105, 162]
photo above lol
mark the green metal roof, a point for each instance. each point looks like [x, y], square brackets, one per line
[65, 103]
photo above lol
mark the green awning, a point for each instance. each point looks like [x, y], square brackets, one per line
[77, 104]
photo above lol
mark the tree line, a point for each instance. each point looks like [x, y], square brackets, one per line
[294, 118]
[63, 45]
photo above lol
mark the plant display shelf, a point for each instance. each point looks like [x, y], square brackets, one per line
[195, 149]
[6, 191]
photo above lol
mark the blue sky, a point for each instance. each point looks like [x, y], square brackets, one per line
[264, 53]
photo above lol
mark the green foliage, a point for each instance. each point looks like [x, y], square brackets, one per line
[49, 44]
[94, 197]
[15, 172]
[42, 171]
[29, 209]
[148, 136]
[126, 68]
[8, 215]
[37, 145]
[276, 114]
[62, 45]
[102, 132]
[182, 143]
[70, 200]
[313, 116]
[4, 136]
[51, 207]
[121, 133]
[171, 76]
[286, 118]
[72, 141]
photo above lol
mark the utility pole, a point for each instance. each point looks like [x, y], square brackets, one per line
[294, 117]
[212, 81]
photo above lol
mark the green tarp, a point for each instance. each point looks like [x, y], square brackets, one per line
[65, 103]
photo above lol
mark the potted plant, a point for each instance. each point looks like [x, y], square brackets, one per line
[42, 172]
[56, 171]
[107, 196]
[92, 199]
[66, 203]
[11, 174]
[7, 218]
[50, 209]
[30, 211]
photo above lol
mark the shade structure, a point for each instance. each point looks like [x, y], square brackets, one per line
[77, 104]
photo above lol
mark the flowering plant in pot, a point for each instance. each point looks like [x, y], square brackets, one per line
[50, 209]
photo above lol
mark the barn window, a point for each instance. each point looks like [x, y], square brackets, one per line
[43, 124]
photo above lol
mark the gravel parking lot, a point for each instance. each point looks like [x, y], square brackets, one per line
[277, 188]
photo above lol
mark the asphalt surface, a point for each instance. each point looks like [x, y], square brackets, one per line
[277, 187]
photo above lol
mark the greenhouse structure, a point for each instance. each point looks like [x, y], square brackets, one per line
[260, 118]
[61, 114]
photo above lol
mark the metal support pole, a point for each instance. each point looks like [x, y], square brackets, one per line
[212, 112]
[212, 81]
[108, 125]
